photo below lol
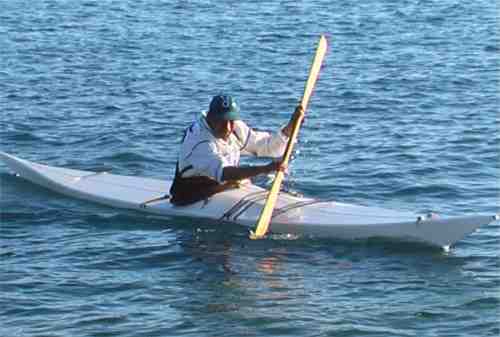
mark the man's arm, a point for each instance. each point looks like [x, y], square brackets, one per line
[264, 144]
[232, 173]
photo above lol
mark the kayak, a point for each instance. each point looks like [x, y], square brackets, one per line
[242, 205]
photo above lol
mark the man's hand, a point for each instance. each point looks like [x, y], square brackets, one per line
[297, 114]
[276, 166]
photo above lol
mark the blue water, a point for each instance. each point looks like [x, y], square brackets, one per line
[405, 116]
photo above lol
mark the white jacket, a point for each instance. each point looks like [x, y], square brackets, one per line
[202, 154]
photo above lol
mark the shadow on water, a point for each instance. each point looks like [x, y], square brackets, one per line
[238, 280]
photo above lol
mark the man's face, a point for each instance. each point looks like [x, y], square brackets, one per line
[223, 129]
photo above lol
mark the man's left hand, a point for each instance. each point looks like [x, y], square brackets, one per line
[297, 114]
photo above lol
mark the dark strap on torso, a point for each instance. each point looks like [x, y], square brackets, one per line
[185, 191]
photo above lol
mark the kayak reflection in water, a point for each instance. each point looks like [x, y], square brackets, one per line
[211, 148]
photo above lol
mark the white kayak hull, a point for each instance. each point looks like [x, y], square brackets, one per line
[293, 215]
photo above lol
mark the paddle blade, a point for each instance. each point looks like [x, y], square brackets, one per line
[314, 71]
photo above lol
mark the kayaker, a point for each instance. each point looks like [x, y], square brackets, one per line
[209, 156]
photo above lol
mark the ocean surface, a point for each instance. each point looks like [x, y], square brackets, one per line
[405, 116]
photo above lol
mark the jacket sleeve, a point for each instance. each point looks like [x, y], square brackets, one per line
[260, 143]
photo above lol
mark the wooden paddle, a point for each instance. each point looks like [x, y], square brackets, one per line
[267, 211]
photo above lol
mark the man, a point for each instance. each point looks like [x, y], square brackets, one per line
[210, 152]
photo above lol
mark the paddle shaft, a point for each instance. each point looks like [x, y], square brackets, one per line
[267, 211]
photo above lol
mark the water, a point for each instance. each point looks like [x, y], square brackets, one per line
[405, 116]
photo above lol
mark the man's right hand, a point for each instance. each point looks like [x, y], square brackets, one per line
[277, 166]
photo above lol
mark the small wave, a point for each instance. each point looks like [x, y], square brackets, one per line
[5, 254]
[339, 125]
[431, 315]
[22, 137]
[471, 140]
[112, 108]
[440, 190]
[125, 157]
[101, 320]
[356, 330]
[126, 219]
[351, 94]
[6, 216]
[221, 307]
[483, 303]
[140, 258]
[491, 48]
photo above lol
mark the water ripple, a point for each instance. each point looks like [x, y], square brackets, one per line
[405, 115]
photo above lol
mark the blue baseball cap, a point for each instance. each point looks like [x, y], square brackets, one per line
[224, 107]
